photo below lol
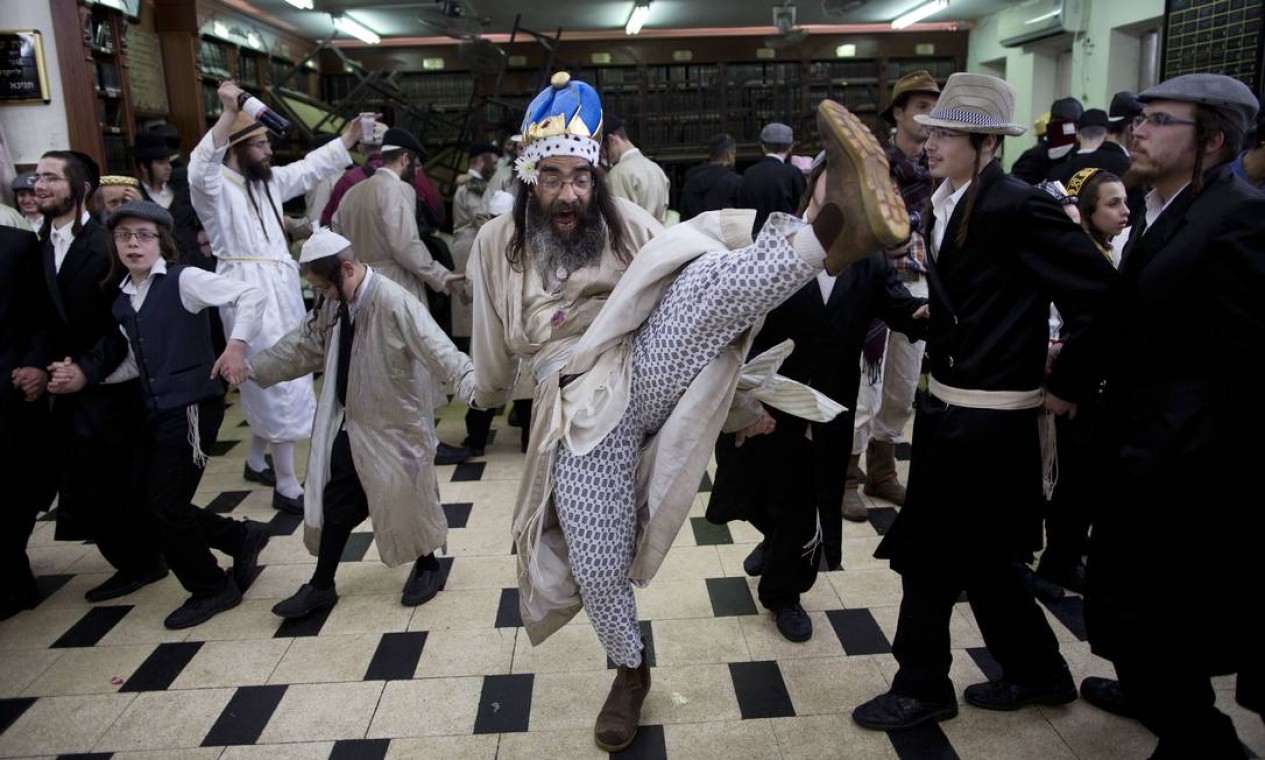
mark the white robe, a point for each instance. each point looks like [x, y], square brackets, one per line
[251, 246]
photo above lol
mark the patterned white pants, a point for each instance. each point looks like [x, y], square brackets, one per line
[713, 301]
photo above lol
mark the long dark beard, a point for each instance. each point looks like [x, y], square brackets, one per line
[552, 250]
[257, 171]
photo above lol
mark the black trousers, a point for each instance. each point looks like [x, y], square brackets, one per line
[1078, 494]
[186, 533]
[1014, 628]
[28, 472]
[346, 504]
[1178, 704]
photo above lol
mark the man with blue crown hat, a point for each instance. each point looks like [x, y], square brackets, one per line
[636, 339]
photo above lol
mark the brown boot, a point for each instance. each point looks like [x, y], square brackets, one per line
[860, 185]
[881, 479]
[617, 722]
[853, 508]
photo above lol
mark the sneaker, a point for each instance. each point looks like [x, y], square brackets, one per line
[306, 600]
[198, 610]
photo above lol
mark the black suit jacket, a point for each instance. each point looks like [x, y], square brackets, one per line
[1109, 156]
[185, 228]
[771, 185]
[709, 187]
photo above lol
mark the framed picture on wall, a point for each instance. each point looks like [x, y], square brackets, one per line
[26, 76]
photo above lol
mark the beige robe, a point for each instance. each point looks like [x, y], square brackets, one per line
[469, 213]
[513, 319]
[389, 415]
[379, 217]
[641, 181]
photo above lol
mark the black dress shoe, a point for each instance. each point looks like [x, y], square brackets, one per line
[246, 561]
[753, 565]
[198, 610]
[122, 584]
[1007, 695]
[421, 586]
[893, 712]
[793, 623]
[1106, 694]
[306, 600]
[266, 476]
[445, 454]
[292, 506]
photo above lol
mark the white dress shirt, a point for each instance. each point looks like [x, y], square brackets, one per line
[943, 201]
[827, 284]
[62, 237]
[1156, 204]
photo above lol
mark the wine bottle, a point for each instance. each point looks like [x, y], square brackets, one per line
[255, 109]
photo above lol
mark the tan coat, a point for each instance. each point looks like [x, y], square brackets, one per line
[641, 181]
[389, 415]
[379, 217]
[469, 213]
[512, 319]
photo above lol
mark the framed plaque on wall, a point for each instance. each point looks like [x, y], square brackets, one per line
[23, 74]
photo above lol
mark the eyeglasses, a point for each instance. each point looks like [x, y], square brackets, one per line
[1159, 119]
[580, 183]
[49, 179]
[940, 133]
[145, 236]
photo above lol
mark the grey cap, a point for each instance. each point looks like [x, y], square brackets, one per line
[24, 181]
[1225, 95]
[776, 133]
[140, 210]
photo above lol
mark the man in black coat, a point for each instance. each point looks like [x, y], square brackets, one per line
[1179, 345]
[1096, 150]
[153, 167]
[772, 183]
[714, 185]
[96, 428]
[24, 452]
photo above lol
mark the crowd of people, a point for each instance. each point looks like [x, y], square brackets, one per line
[1085, 327]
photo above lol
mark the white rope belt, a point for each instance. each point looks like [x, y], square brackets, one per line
[1010, 401]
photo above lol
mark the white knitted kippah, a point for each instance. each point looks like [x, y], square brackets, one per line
[324, 242]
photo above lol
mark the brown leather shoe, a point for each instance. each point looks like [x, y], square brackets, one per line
[881, 480]
[853, 508]
[860, 185]
[617, 722]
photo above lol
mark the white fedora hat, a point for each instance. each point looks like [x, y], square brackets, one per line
[975, 103]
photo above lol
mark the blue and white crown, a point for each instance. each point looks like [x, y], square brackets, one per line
[564, 120]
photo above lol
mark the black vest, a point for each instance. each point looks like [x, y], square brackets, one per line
[172, 347]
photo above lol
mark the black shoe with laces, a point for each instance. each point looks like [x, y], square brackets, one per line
[753, 565]
[1005, 695]
[793, 623]
[1106, 694]
[198, 610]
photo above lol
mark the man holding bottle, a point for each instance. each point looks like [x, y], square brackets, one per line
[238, 195]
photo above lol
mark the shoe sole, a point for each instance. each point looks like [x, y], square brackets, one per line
[131, 589]
[613, 748]
[935, 717]
[1061, 698]
[885, 212]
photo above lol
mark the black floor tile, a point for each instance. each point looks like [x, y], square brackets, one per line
[254, 577]
[93, 626]
[87, 756]
[360, 749]
[648, 745]
[357, 545]
[647, 636]
[507, 612]
[984, 660]
[396, 657]
[1070, 610]
[882, 518]
[761, 690]
[161, 668]
[706, 485]
[245, 716]
[445, 567]
[858, 632]
[730, 597]
[12, 709]
[47, 585]
[243, 423]
[227, 501]
[309, 625]
[222, 447]
[504, 704]
[458, 513]
[468, 471]
[284, 524]
[925, 742]
[709, 534]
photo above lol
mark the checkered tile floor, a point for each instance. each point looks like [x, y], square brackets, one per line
[457, 678]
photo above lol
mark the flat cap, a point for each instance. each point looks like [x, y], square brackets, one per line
[140, 210]
[1225, 95]
[24, 181]
[777, 133]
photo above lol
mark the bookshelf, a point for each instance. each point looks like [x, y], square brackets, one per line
[105, 49]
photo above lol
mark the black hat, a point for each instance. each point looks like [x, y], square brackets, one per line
[400, 139]
[1066, 108]
[479, 149]
[1124, 105]
[150, 145]
[168, 133]
[140, 210]
[90, 168]
[24, 181]
[1094, 117]
[611, 123]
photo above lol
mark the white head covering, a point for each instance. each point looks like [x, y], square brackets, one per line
[324, 242]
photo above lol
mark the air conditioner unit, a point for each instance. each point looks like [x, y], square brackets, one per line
[1037, 19]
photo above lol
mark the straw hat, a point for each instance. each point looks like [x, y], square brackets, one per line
[975, 103]
[244, 127]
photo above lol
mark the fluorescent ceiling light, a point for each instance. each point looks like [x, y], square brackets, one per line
[1044, 16]
[920, 13]
[846, 51]
[304, 5]
[348, 25]
[636, 19]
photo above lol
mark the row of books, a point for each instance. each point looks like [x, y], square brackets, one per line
[105, 76]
